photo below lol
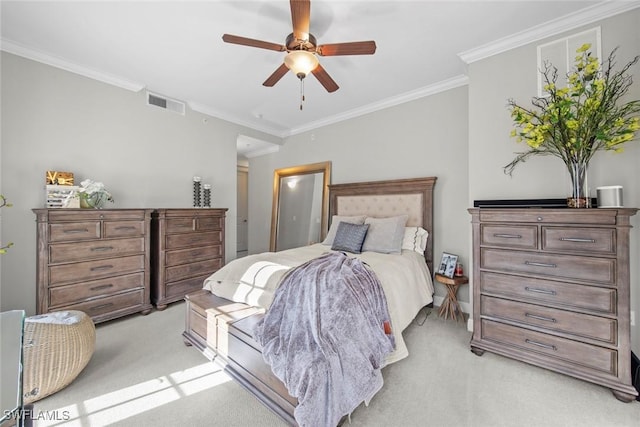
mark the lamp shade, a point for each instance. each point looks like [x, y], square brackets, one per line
[301, 62]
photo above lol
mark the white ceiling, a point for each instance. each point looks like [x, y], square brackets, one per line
[174, 48]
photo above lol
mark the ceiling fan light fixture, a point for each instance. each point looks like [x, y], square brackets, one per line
[301, 62]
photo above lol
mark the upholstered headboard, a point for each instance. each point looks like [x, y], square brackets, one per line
[413, 197]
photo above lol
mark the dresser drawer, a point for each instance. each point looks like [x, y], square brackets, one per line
[581, 325]
[123, 228]
[81, 215]
[194, 269]
[64, 252]
[185, 256]
[101, 306]
[599, 270]
[210, 223]
[574, 352]
[185, 225]
[66, 231]
[174, 241]
[64, 295]
[543, 291]
[87, 270]
[547, 216]
[512, 236]
[186, 286]
[579, 239]
[180, 225]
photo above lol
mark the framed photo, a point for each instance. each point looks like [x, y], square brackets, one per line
[448, 265]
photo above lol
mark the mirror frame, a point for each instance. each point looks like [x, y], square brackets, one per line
[279, 174]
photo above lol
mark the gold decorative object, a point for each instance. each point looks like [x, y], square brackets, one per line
[59, 178]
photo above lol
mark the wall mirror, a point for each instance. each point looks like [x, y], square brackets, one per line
[300, 205]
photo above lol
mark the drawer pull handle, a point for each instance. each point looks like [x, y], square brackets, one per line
[102, 249]
[101, 306]
[102, 267]
[76, 230]
[577, 239]
[540, 264]
[540, 344]
[508, 236]
[100, 287]
[537, 317]
[194, 224]
[540, 291]
[125, 227]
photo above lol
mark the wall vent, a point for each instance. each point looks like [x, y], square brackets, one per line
[166, 103]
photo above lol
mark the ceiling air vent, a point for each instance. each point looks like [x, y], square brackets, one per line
[166, 103]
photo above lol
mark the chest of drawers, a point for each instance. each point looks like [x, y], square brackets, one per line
[551, 287]
[93, 260]
[187, 247]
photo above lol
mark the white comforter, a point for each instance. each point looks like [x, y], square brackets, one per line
[405, 279]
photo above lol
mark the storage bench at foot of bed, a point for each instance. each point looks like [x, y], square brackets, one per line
[246, 365]
[223, 328]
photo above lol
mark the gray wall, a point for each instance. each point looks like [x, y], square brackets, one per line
[146, 156]
[426, 137]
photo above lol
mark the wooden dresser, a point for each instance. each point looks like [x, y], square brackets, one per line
[93, 260]
[551, 288]
[187, 247]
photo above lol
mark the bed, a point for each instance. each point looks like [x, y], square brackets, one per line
[222, 318]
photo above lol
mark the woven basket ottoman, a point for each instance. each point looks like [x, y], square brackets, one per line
[57, 347]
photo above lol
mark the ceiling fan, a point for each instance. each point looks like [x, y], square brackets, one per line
[302, 49]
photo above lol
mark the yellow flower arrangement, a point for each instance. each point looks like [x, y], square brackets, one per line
[575, 122]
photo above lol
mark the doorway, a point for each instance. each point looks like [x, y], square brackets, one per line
[242, 220]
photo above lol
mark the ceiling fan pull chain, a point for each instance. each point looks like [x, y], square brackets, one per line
[301, 93]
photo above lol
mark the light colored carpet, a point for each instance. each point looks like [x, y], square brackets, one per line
[142, 374]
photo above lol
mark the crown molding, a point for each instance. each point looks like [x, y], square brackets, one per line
[210, 111]
[14, 48]
[262, 152]
[263, 147]
[425, 91]
[17, 49]
[586, 16]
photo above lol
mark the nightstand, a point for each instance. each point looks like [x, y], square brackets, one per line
[450, 306]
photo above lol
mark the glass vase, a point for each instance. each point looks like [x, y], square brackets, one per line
[93, 201]
[578, 196]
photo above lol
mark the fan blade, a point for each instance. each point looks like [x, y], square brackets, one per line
[300, 15]
[244, 41]
[350, 48]
[276, 76]
[325, 79]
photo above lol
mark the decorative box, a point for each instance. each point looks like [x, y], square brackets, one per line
[62, 196]
[59, 178]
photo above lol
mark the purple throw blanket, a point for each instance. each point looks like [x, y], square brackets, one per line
[323, 337]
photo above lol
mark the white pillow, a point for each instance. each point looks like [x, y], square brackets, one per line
[415, 239]
[337, 219]
[385, 234]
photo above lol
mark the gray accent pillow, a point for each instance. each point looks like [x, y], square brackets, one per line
[349, 237]
[385, 234]
[335, 221]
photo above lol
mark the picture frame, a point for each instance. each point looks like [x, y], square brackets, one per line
[447, 266]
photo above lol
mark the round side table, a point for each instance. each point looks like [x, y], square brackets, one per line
[450, 306]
